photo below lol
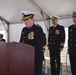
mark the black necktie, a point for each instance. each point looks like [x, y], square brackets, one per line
[53, 27]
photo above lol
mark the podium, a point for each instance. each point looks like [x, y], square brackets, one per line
[16, 59]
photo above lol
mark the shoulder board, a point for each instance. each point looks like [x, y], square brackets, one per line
[38, 25]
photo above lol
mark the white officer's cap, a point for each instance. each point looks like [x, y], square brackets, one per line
[26, 15]
[54, 17]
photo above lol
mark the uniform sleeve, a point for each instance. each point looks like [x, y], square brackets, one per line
[68, 37]
[21, 36]
[49, 37]
[44, 46]
[62, 37]
[39, 38]
[44, 39]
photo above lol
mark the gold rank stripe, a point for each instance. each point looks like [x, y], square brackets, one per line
[74, 15]
[26, 17]
[61, 44]
[44, 47]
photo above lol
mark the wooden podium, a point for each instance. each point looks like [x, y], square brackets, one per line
[16, 59]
